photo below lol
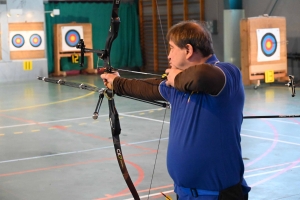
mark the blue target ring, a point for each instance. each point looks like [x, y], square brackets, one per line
[35, 40]
[268, 44]
[72, 38]
[18, 40]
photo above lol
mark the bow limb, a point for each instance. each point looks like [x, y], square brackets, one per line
[116, 131]
[112, 35]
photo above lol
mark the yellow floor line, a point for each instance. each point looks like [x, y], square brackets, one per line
[47, 104]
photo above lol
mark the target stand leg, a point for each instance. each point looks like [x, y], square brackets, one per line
[257, 84]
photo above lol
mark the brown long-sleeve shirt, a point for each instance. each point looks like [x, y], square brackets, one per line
[205, 78]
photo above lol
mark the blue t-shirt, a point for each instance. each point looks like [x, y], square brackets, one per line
[204, 150]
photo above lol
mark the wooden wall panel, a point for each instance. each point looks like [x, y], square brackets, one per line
[155, 21]
[28, 26]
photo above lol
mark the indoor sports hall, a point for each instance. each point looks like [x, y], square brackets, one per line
[56, 139]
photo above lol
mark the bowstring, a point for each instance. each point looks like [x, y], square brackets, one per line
[163, 123]
[161, 28]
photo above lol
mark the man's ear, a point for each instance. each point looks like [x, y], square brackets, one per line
[189, 51]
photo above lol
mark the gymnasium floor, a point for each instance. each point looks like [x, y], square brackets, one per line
[51, 148]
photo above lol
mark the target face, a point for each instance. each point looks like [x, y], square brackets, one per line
[72, 38]
[26, 40]
[35, 40]
[18, 41]
[268, 44]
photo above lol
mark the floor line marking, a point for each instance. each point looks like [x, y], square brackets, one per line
[262, 138]
[154, 194]
[72, 119]
[292, 166]
[269, 172]
[284, 121]
[268, 167]
[243, 129]
[47, 104]
[146, 118]
[109, 196]
[74, 152]
[68, 165]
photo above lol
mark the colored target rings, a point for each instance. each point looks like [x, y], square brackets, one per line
[35, 40]
[268, 44]
[18, 40]
[72, 38]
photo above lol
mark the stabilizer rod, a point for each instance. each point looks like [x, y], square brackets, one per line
[96, 89]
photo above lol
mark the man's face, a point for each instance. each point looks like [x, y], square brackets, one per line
[177, 56]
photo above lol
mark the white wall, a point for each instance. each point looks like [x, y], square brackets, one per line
[12, 70]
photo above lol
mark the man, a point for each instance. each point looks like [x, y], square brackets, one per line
[207, 98]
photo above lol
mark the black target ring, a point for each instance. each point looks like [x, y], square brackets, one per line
[35, 40]
[268, 44]
[72, 38]
[18, 40]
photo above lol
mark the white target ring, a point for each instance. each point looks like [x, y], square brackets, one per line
[268, 42]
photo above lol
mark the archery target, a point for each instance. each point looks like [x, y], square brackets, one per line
[26, 40]
[70, 37]
[35, 40]
[17, 40]
[268, 44]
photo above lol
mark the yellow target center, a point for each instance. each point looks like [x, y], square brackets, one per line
[72, 38]
[18, 40]
[35, 40]
[269, 45]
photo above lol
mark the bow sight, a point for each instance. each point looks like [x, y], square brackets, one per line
[112, 35]
[291, 84]
[102, 54]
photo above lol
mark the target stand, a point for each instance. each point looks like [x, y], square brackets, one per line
[263, 49]
[66, 36]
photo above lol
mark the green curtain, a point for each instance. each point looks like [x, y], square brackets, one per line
[126, 50]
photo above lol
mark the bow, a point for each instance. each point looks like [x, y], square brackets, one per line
[113, 113]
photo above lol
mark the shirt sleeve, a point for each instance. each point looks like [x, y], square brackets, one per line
[205, 78]
[146, 89]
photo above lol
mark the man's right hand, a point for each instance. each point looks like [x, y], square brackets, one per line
[171, 74]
